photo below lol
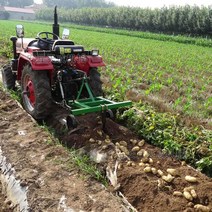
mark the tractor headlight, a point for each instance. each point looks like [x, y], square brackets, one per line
[95, 52]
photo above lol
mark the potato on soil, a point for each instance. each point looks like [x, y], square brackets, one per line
[147, 169]
[188, 188]
[141, 164]
[91, 140]
[169, 178]
[178, 194]
[193, 193]
[133, 141]
[150, 160]
[187, 195]
[135, 149]
[201, 208]
[172, 171]
[154, 170]
[141, 143]
[145, 154]
[123, 143]
[124, 149]
[140, 153]
[190, 179]
[160, 172]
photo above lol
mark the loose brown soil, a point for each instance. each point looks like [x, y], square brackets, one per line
[45, 167]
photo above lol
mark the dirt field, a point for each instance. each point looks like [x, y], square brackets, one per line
[49, 181]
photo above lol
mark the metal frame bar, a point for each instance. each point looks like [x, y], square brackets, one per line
[93, 104]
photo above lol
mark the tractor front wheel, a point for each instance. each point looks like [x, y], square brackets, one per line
[8, 78]
[36, 92]
[95, 82]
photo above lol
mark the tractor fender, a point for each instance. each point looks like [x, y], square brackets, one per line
[86, 62]
[37, 63]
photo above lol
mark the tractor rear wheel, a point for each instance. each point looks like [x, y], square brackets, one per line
[36, 92]
[95, 82]
[8, 78]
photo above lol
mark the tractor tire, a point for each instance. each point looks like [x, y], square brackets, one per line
[8, 78]
[95, 82]
[36, 93]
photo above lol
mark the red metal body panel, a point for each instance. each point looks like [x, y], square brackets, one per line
[86, 62]
[37, 63]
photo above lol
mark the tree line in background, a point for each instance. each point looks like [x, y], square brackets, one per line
[78, 3]
[192, 20]
[16, 3]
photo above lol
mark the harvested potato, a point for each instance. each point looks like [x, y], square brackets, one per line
[141, 143]
[117, 144]
[193, 193]
[154, 170]
[191, 179]
[145, 160]
[141, 164]
[124, 149]
[129, 163]
[99, 142]
[160, 172]
[133, 141]
[147, 169]
[135, 149]
[140, 153]
[178, 194]
[91, 140]
[169, 178]
[172, 171]
[150, 160]
[107, 141]
[188, 188]
[187, 195]
[145, 154]
[201, 208]
[123, 143]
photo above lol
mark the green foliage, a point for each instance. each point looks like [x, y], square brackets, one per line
[191, 20]
[163, 74]
[16, 3]
[77, 3]
[166, 131]
[86, 165]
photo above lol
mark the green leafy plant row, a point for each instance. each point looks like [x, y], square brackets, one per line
[165, 130]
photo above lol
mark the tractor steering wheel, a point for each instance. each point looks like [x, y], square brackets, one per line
[46, 39]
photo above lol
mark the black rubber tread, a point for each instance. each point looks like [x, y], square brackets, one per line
[8, 77]
[95, 82]
[42, 89]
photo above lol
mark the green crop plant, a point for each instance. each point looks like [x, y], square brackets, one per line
[170, 76]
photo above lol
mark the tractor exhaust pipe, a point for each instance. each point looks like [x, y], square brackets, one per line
[55, 26]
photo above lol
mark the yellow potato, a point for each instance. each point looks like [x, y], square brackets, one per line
[141, 143]
[201, 208]
[172, 171]
[91, 140]
[160, 172]
[135, 149]
[169, 178]
[193, 193]
[147, 169]
[146, 154]
[123, 143]
[191, 179]
[187, 195]
[154, 170]
[178, 194]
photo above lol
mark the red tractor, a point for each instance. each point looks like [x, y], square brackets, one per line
[50, 69]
